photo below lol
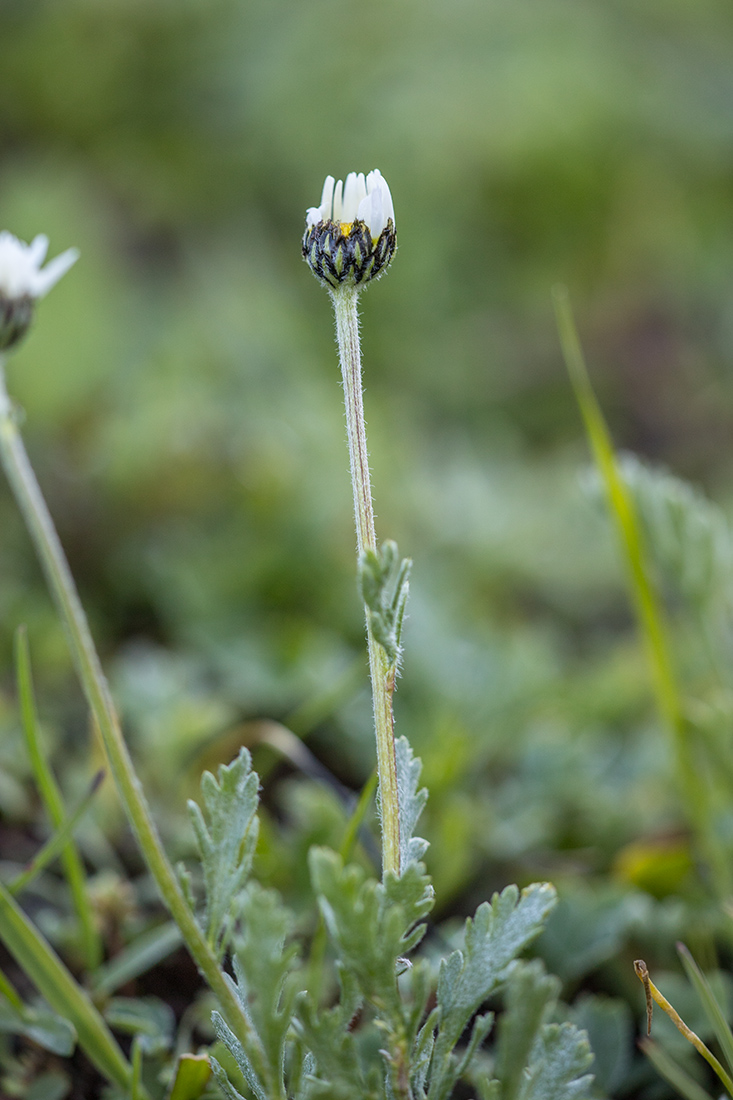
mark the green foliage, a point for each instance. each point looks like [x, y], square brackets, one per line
[385, 586]
[715, 1012]
[226, 834]
[147, 949]
[379, 1040]
[529, 993]
[609, 1025]
[372, 924]
[50, 1031]
[688, 536]
[412, 803]
[493, 939]
[265, 985]
[149, 1020]
[666, 1066]
[337, 1071]
[52, 978]
[53, 801]
[558, 1064]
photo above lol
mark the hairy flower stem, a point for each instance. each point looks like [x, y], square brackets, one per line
[41, 529]
[382, 672]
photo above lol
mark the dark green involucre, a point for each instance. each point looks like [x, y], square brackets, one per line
[16, 315]
[340, 258]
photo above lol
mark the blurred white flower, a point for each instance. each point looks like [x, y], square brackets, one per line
[21, 275]
[23, 281]
[365, 199]
[350, 238]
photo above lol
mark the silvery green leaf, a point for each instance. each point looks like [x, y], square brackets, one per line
[240, 1056]
[482, 1025]
[384, 582]
[494, 938]
[338, 1073]
[530, 993]
[558, 1064]
[372, 924]
[226, 834]
[149, 1019]
[264, 965]
[411, 801]
[228, 1089]
[422, 1053]
[44, 1027]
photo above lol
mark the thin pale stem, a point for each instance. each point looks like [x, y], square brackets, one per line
[40, 526]
[382, 673]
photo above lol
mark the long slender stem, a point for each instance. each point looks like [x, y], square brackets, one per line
[382, 675]
[40, 526]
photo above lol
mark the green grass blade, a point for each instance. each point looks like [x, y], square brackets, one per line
[56, 844]
[713, 1010]
[47, 972]
[51, 796]
[685, 1085]
[357, 818]
[9, 992]
[143, 953]
[647, 605]
[624, 515]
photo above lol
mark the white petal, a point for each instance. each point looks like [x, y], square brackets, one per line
[313, 216]
[38, 248]
[370, 214]
[327, 195]
[338, 201]
[53, 271]
[376, 181]
[354, 192]
[20, 266]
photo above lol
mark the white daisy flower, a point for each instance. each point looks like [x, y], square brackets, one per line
[21, 275]
[350, 238]
[365, 199]
[23, 281]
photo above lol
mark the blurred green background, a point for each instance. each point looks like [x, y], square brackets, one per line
[183, 403]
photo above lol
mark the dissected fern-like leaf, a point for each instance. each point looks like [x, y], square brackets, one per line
[226, 834]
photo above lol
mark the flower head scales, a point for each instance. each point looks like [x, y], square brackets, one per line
[350, 238]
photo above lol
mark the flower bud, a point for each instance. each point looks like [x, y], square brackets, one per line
[350, 238]
[23, 282]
